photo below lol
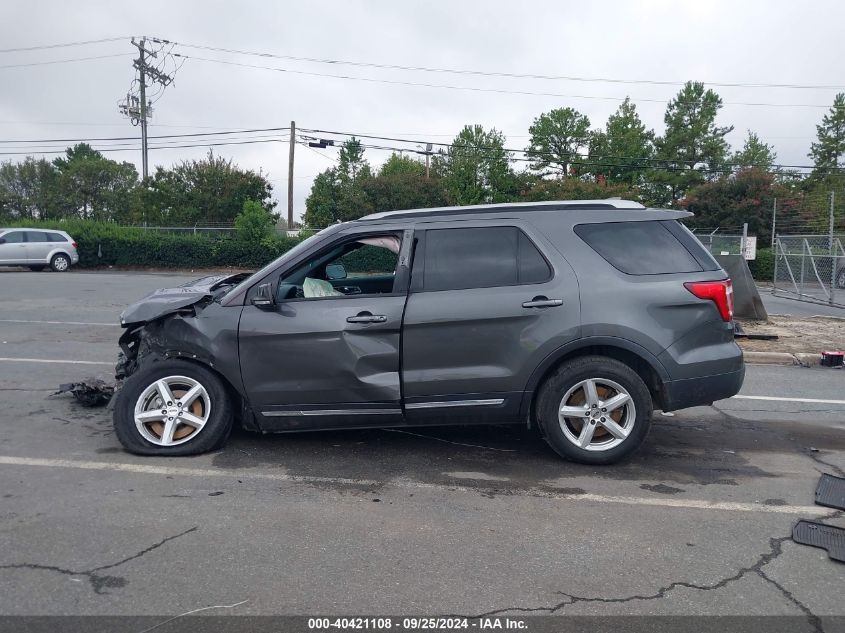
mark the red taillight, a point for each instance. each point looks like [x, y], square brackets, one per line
[73, 244]
[719, 292]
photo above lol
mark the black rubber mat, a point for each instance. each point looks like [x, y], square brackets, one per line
[831, 492]
[820, 535]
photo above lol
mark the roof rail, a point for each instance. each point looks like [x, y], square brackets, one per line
[609, 203]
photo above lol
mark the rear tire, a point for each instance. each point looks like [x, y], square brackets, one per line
[60, 263]
[577, 425]
[38, 268]
[204, 424]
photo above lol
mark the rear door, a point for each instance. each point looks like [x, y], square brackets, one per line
[13, 248]
[488, 302]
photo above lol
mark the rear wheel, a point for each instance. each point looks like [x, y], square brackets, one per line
[60, 263]
[173, 408]
[594, 410]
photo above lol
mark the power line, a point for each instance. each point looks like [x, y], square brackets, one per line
[511, 75]
[135, 148]
[537, 154]
[63, 61]
[46, 46]
[485, 90]
[531, 155]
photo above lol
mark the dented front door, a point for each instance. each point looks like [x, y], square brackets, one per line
[323, 363]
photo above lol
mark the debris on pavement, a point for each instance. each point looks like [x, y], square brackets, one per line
[830, 492]
[827, 537]
[91, 392]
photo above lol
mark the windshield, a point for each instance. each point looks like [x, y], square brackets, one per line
[302, 246]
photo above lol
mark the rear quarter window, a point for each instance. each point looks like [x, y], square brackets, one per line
[640, 248]
[56, 237]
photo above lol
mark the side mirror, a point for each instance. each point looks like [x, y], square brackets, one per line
[263, 297]
[335, 271]
[2, 240]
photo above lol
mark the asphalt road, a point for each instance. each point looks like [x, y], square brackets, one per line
[445, 521]
[782, 304]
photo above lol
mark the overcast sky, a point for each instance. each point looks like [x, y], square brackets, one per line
[721, 42]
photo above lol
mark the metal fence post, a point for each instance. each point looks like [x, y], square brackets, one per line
[804, 246]
[774, 219]
[776, 248]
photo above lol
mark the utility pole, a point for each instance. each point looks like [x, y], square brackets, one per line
[290, 174]
[142, 65]
[137, 108]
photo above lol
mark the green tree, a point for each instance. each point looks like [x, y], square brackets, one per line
[746, 196]
[254, 222]
[754, 153]
[828, 152]
[556, 138]
[578, 189]
[398, 164]
[29, 189]
[209, 190]
[338, 194]
[476, 168]
[692, 145]
[621, 152]
[91, 186]
[321, 204]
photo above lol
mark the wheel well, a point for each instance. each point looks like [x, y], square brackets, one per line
[643, 368]
[242, 411]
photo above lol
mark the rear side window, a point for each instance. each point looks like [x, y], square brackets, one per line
[15, 237]
[481, 258]
[639, 248]
[36, 236]
[56, 237]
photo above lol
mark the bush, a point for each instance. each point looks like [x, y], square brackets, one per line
[254, 223]
[763, 268]
[107, 244]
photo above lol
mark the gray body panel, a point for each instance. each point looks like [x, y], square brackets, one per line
[453, 356]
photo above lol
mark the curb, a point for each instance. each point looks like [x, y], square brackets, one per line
[782, 358]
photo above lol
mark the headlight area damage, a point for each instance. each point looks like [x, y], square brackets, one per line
[164, 324]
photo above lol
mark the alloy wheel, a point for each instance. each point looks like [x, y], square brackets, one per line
[597, 414]
[172, 410]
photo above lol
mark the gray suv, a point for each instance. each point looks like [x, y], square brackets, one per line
[37, 249]
[577, 318]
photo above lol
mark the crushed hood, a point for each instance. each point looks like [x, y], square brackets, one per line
[168, 300]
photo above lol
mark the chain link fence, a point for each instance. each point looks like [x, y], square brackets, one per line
[810, 268]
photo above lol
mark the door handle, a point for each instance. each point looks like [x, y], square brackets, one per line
[366, 317]
[542, 302]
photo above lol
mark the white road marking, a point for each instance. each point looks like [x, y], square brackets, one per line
[180, 471]
[57, 322]
[54, 360]
[781, 399]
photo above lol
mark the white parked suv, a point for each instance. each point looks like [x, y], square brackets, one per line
[37, 249]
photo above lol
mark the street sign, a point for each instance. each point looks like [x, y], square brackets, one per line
[750, 250]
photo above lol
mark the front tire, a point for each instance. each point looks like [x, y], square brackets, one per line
[60, 263]
[594, 410]
[173, 407]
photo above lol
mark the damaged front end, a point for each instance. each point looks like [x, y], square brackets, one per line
[167, 324]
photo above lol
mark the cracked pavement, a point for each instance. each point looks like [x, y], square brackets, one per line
[465, 521]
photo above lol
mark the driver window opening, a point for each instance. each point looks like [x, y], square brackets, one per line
[363, 266]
